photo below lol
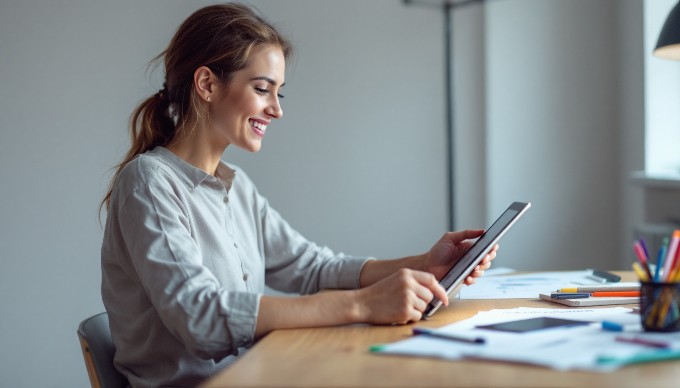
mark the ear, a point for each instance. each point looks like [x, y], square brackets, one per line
[205, 83]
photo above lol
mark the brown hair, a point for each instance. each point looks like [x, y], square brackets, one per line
[220, 37]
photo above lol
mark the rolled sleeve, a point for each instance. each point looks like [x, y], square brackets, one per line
[240, 310]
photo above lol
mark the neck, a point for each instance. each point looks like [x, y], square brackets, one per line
[198, 151]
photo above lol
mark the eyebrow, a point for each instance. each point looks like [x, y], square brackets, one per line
[269, 80]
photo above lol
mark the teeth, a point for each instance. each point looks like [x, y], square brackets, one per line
[258, 125]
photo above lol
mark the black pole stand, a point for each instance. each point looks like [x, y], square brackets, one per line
[447, 6]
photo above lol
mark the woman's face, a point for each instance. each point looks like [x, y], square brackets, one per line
[244, 108]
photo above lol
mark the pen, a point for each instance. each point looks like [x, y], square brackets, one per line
[460, 337]
[570, 295]
[657, 355]
[614, 293]
[643, 341]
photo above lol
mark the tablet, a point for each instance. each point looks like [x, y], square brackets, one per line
[457, 274]
[532, 324]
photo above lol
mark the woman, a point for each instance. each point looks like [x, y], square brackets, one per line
[189, 243]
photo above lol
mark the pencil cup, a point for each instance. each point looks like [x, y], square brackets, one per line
[660, 306]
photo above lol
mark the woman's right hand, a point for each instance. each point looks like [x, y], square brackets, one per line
[399, 298]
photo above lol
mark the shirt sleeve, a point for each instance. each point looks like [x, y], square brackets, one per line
[210, 321]
[294, 264]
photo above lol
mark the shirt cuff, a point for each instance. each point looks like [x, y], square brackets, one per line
[240, 310]
[349, 273]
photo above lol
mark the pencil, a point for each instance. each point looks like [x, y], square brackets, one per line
[642, 257]
[660, 258]
[669, 263]
[640, 272]
[598, 288]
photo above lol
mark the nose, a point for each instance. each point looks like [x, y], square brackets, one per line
[274, 109]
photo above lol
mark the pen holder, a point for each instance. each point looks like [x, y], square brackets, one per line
[660, 306]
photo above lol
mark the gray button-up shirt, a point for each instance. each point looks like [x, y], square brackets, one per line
[185, 259]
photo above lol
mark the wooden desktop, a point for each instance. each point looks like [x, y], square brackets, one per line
[339, 356]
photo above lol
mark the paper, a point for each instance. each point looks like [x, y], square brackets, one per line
[525, 286]
[567, 348]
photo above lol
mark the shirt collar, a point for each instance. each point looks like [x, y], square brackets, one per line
[193, 176]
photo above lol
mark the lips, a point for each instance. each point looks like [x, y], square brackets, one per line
[259, 126]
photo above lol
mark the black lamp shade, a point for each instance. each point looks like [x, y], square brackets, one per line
[668, 45]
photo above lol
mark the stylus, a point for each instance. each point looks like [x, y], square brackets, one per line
[460, 337]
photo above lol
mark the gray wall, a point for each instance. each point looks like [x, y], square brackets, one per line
[357, 162]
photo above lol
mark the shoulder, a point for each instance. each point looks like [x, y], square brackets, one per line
[144, 171]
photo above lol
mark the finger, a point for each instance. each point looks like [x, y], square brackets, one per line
[423, 294]
[415, 316]
[420, 303]
[428, 280]
[462, 235]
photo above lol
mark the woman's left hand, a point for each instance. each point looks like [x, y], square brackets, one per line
[450, 248]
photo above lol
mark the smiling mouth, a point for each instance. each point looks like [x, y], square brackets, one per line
[258, 125]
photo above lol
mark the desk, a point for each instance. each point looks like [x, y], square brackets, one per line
[339, 356]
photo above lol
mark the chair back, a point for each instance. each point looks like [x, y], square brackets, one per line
[98, 351]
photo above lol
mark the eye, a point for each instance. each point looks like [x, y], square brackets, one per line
[261, 91]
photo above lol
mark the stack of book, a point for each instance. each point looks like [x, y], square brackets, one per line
[596, 295]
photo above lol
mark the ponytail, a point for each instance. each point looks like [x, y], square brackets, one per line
[151, 125]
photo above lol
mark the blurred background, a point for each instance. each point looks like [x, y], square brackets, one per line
[555, 102]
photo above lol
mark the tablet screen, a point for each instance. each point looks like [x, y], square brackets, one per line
[477, 251]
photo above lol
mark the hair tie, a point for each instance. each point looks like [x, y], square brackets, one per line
[163, 93]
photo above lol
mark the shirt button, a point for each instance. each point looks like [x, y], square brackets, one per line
[225, 199]
[235, 245]
[245, 277]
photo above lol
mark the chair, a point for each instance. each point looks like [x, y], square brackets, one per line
[98, 351]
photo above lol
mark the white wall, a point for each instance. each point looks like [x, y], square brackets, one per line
[553, 135]
[357, 162]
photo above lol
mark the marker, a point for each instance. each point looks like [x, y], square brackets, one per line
[570, 295]
[615, 326]
[460, 337]
[656, 355]
[614, 294]
[376, 348]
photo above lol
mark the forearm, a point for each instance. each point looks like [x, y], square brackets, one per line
[323, 309]
[376, 270]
